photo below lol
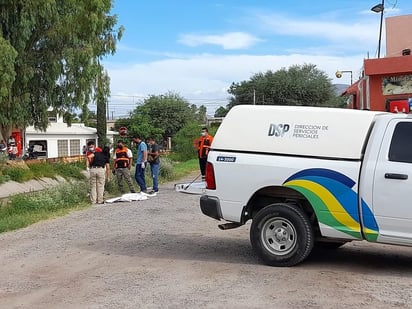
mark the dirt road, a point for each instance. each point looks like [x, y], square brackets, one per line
[163, 253]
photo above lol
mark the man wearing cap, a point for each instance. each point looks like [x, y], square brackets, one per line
[123, 159]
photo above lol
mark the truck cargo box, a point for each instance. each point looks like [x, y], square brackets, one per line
[302, 131]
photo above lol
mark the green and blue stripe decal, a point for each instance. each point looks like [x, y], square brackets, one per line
[334, 201]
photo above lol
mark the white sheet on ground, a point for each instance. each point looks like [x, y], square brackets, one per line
[129, 197]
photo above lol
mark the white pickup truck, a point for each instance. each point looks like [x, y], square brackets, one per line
[311, 176]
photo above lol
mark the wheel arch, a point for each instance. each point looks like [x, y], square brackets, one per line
[280, 194]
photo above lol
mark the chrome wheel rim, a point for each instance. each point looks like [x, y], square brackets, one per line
[279, 236]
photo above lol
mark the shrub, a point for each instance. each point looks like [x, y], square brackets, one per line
[183, 142]
[66, 170]
[24, 209]
[166, 171]
[18, 174]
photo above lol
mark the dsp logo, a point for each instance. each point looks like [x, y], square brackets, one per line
[278, 129]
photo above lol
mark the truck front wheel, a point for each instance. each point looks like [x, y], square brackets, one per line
[281, 235]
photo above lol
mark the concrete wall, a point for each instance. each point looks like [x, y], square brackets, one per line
[398, 34]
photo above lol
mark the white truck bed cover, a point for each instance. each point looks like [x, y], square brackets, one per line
[295, 130]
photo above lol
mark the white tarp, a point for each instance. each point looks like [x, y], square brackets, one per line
[129, 197]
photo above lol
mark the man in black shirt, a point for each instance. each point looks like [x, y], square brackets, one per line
[99, 165]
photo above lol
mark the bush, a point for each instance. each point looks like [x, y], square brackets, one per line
[166, 171]
[18, 174]
[24, 209]
[183, 142]
[71, 170]
[66, 170]
[43, 169]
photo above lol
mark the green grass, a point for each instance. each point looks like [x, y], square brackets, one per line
[183, 169]
[22, 173]
[65, 170]
[25, 209]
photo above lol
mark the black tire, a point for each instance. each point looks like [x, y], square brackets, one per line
[281, 235]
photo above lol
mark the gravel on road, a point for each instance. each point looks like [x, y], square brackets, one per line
[164, 253]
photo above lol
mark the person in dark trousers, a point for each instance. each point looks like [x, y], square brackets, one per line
[141, 160]
[203, 146]
[153, 157]
[98, 163]
[123, 159]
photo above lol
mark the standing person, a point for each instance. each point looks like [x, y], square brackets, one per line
[3, 146]
[12, 151]
[11, 140]
[203, 147]
[98, 162]
[91, 148]
[123, 159]
[153, 157]
[141, 159]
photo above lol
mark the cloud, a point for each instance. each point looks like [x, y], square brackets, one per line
[357, 32]
[204, 79]
[271, 42]
[228, 41]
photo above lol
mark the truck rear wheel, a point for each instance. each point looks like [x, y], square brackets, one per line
[281, 235]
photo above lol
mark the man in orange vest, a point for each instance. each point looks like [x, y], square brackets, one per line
[203, 147]
[123, 159]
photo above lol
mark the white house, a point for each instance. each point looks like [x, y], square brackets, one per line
[61, 140]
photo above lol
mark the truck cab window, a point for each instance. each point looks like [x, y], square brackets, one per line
[401, 145]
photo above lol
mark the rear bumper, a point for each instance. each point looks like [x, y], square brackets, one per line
[210, 206]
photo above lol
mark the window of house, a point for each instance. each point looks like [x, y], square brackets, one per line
[39, 146]
[401, 144]
[62, 148]
[74, 147]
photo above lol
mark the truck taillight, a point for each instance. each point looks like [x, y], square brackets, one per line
[210, 177]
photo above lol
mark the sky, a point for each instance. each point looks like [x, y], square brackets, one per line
[198, 48]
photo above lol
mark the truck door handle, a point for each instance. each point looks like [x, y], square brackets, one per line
[396, 176]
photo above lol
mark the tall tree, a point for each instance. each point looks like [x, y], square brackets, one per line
[102, 95]
[58, 44]
[161, 116]
[168, 113]
[298, 85]
[7, 78]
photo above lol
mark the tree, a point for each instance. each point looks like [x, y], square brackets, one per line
[7, 78]
[202, 114]
[162, 114]
[58, 45]
[183, 142]
[221, 112]
[298, 85]
[102, 94]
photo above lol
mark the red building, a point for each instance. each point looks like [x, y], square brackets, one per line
[386, 83]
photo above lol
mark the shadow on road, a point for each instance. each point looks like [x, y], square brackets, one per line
[181, 247]
[364, 258]
[376, 259]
